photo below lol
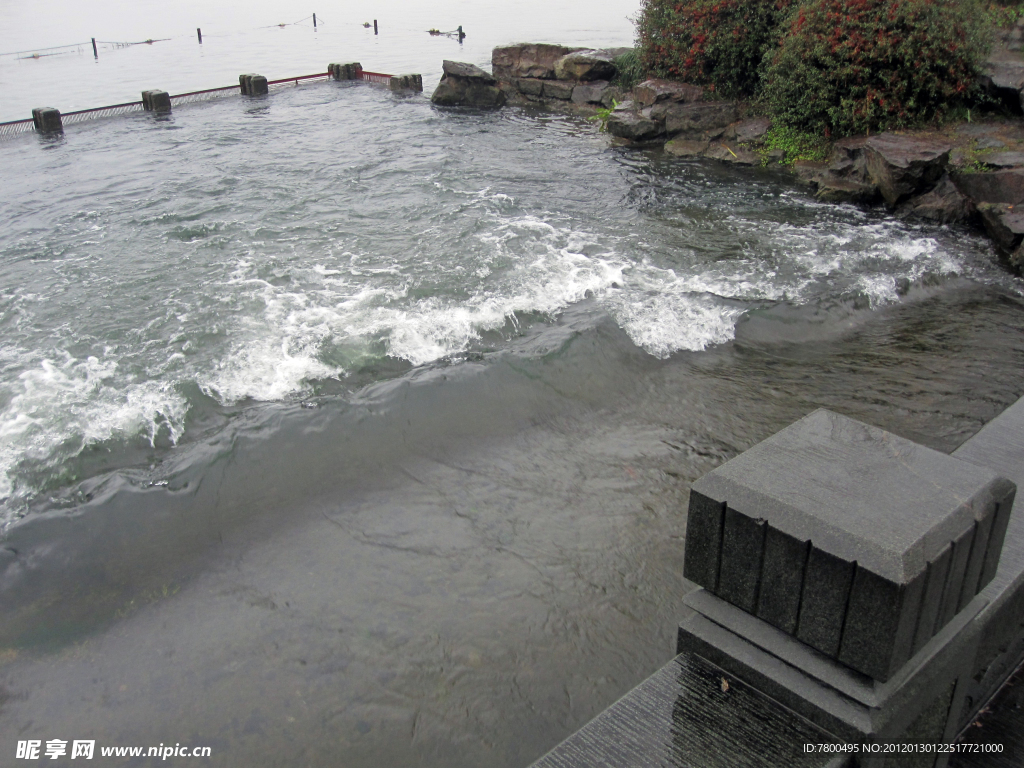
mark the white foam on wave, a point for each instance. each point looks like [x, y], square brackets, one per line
[867, 259]
[58, 407]
[542, 263]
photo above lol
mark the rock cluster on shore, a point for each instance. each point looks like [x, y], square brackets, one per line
[916, 174]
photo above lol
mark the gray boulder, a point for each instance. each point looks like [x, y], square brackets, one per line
[1004, 224]
[529, 86]
[902, 166]
[611, 96]
[629, 125]
[944, 204]
[848, 158]
[840, 189]
[749, 131]
[1004, 159]
[655, 90]
[467, 71]
[558, 89]
[735, 154]
[466, 85]
[686, 147]
[1016, 260]
[527, 60]
[1004, 80]
[696, 120]
[589, 93]
[997, 187]
[588, 65]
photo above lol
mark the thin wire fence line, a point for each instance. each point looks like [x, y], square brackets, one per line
[17, 127]
[211, 35]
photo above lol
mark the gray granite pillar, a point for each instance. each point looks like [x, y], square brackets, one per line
[253, 85]
[401, 83]
[841, 568]
[350, 71]
[47, 120]
[156, 101]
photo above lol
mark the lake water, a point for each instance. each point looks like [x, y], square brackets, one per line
[340, 430]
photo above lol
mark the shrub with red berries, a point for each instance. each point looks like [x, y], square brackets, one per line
[716, 43]
[853, 66]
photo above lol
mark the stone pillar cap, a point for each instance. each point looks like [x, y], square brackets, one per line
[858, 492]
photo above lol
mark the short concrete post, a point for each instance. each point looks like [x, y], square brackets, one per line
[351, 71]
[406, 83]
[47, 120]
[252, 85]
[156, 101]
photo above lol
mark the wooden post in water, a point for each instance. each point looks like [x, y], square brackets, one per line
[199, 33]
[95, 53]
[375, 26]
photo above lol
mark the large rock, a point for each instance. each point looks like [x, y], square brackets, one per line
[735, 154]
[1004, 159]
[466, 85]
[686, 147]
[589, 93]
[809, 171]
[1016, 260]
[998, 187]
[1004, 80]
[630, 125]
[529, 86]
[467, 71]
[848, 158]
[527, 60]
[652, 91]
[902, 166]
[696, 120]
[944, 204]
[749, 131]
[1004, 224]
[588, 64]
[840, 189]
[558, 89]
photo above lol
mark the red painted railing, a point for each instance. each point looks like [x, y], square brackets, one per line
[15, 127]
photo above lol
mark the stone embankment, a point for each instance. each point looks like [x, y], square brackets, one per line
[971, 173]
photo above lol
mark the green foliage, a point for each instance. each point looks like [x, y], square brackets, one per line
[628, 70]
[715, 43]
[855, 66]
[603, 114]
[1003, 15]
[796, 144]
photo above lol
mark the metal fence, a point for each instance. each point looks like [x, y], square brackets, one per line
[375, 77]
[115, 110]
[19, 127]
[16, 128]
